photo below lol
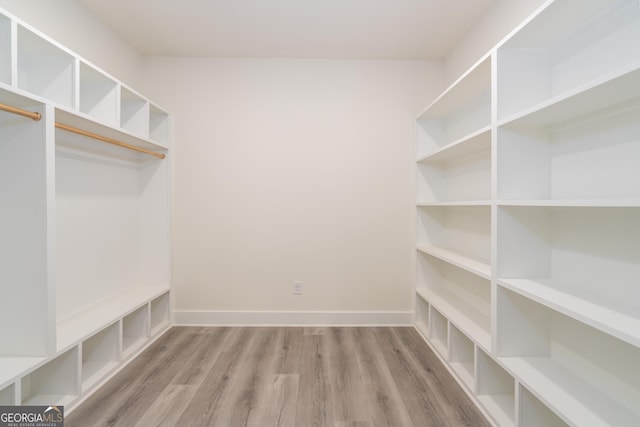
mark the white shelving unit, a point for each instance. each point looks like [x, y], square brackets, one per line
[84, 259]
[528, 210]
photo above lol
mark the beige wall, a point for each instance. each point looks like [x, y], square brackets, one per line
[293, 170]
[71, 25]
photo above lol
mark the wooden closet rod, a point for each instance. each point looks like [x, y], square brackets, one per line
[19, 111]
[108, 140]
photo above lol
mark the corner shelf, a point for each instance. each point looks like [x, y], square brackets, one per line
[159, 126]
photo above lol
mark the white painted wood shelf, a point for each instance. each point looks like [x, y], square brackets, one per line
[84, 259]
[528, 217]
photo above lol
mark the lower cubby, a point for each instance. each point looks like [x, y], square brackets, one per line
[422, 315]
[135, 330]
[54, 383]
[8, 395]
[534, 413]
[584, 375]
[100, 355]
[439, 331]
[463, 297]
[461, 356]
[495, 389]
[159, 316]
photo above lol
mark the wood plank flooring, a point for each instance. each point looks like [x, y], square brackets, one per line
[281, 376]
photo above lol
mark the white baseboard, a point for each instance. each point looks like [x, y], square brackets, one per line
[293, 318]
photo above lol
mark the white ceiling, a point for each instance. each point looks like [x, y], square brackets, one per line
[366, 29]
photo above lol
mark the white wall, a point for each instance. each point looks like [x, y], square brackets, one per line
[488, 31]
[73, 26]
[293, 170]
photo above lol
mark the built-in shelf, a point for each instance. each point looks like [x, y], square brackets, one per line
[464, 298]
[528, 220]
[135, 330]
[592, 158]
[77, 327]
[8, 395]
[459, 113]
[422, 316]
[495, 388]
[98, 95]
[100, 355]
[84, 223]
[581, 261]
[461, 356]
[551, 57]
[5, 49]
[439, 331]
[158, 126]
[134, 113]
[534, 413]
[55, 382]
[44, 69]
[160, 316]
[590, 377]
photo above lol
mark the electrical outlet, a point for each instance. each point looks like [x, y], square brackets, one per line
[297, 287]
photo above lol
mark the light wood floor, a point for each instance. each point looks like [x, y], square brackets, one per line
[302, 377]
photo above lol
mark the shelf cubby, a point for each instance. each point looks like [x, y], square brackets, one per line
[581, 261]
[24, 226]
[590, 377]
[158, 125]
[5, 50]
[422, 315]
[160, 314]
[495, 389]
[463, 231]
[463, 297]
[100, 355]
[45, 69]
[591, 158]
[98, 95]
[566, 47]
[461, 356]
[134, 113]
[8, 395]
[460, 112]
[135, 330]
[55, 383]
[460, 173]
[534, 413]
[439, 331]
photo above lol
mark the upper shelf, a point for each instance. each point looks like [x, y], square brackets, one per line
[33, 64]
[469, 86]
